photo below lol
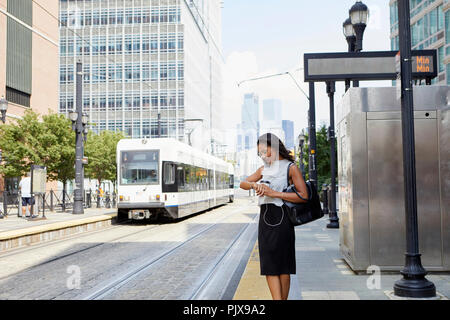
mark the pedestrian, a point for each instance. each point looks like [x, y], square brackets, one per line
[27, 199]
[276, 236]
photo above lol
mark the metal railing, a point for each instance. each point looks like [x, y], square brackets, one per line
[54, 201]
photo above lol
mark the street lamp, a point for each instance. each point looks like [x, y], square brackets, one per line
[301, 142]
[334, 220]
[85, 120]
[78, 125]
[359, 14]
[413, 284]
[350, 36]
[3, 108]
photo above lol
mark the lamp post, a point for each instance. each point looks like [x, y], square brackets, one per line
[159, 124]
[3, 108]
[359, 14]
[414, 284]
[334, 220]
[350, 36]
[301, 142]
[78, 125]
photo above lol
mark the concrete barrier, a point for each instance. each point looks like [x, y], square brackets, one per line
[20, 238]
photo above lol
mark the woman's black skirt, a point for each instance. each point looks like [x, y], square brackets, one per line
[276, 241]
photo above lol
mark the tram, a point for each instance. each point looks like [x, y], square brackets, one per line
[163, 177]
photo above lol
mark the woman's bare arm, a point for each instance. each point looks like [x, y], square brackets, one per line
[251, 180]
[300, 186]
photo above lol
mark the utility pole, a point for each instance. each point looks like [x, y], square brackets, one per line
[79, 151]
[414, 284]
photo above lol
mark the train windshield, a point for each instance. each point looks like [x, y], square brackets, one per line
[139, 167]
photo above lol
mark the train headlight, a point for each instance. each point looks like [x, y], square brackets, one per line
[123, 198]
[157, 197]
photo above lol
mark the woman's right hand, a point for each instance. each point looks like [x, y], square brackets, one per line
[259, 188]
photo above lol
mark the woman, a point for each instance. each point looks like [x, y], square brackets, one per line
[276, 237]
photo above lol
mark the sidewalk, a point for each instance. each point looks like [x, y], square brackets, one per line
[322, 273]
[17, 232]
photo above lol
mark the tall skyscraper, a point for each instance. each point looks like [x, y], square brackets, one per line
[288, 129]
[271, 118]
[430, 29]
[248, 130]
[142, 58]
[272, 109]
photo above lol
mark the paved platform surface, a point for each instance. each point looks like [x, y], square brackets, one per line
[323, 274]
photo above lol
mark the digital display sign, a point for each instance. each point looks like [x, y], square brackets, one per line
[377, 65]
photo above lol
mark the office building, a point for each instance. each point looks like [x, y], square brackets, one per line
[430, 29]
[142, 58]
[29, 39]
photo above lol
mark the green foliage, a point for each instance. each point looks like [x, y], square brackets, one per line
[322, 157]
[50, 142]
[30, 141]
[101, 152]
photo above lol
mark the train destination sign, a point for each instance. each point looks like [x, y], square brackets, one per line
[377, 65]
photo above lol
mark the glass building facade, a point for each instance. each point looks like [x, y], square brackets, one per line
[430, 29]
[142, 58]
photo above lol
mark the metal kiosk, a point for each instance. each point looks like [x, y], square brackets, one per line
[370, 170]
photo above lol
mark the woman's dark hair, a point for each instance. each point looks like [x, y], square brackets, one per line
[271, 140]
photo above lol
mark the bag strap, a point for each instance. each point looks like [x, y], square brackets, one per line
[289, 166]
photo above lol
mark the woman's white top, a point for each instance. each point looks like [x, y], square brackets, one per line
[276, 174]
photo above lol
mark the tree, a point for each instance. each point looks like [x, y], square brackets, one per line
[49, 143]
[28, 141]
[101, 152]
[322, 157]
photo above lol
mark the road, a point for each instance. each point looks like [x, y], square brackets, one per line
[200, 257]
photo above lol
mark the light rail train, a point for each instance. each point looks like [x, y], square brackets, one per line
[163, 177]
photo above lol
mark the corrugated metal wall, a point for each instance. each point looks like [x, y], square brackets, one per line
[19, 46]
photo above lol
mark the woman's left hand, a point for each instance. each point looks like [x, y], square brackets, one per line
[268, 192]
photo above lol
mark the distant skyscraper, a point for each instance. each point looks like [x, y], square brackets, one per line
[288, 128]
[272, 109]
[248, 130]
[271, 118]
[250, 112]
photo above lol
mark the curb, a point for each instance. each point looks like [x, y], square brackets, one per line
[19, 238]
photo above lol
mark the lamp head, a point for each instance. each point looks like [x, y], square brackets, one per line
[73, 115]
[359, 13]
[85, 118]
[349, 31]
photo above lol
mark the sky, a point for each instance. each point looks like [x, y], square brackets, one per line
[264, 37]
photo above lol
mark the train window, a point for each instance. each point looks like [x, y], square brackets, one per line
[180, 177]
[192, 179]
[169, 173]
[139, 167]
[187, 177]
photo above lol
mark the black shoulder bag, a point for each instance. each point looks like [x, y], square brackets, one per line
[304, 212]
